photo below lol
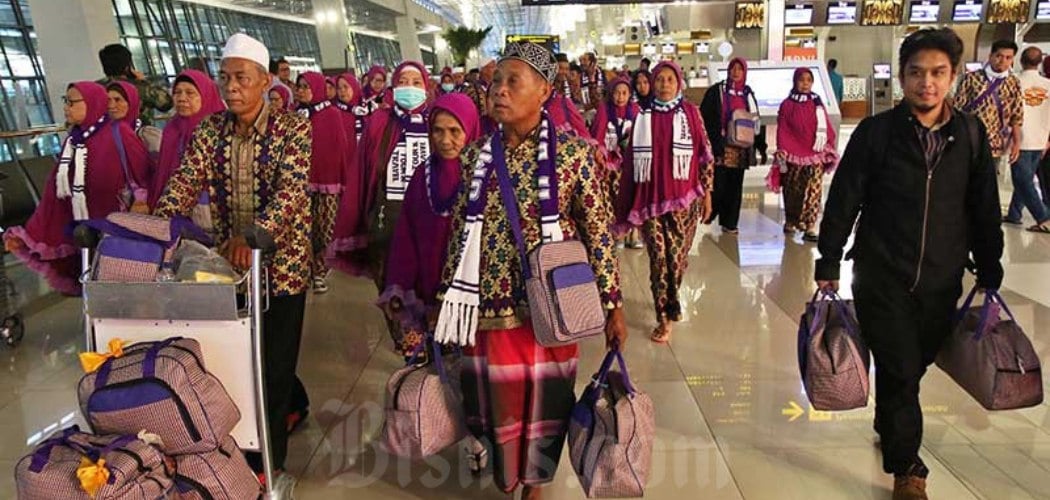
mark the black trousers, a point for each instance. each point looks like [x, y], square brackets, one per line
[904, 331]
[1043, 174]
[728, 195]
[282, 333]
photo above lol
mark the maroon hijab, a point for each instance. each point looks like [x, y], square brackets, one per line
[179, 130]
[797, 127]
[130, 94]
[733, 97]
[286, 94]
[607, 110]
[328, 154]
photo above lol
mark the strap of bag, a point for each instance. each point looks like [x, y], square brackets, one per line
[128, 179]
[510, 202]
[603, 373]
[149, 364]
[43, 453]
[439, 362]
[847, 318]
[180, 227]
[989, 91]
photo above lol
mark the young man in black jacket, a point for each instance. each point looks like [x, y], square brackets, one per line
[922, 180]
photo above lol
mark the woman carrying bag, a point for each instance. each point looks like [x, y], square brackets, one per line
[806, 150]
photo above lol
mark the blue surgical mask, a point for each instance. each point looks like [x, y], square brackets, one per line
[448, 87]
[409, 98]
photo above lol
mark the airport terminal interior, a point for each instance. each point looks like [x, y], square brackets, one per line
[732, 416]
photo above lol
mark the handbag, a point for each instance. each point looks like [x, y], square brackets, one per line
[611, 434]
[564, 302]
[992, 359]
[423, 410]
[833, 359]
[741, 130]
[384, 213]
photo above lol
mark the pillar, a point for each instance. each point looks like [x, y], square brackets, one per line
[333, 35]
[69, 36]
[408, 38]
[775, 30]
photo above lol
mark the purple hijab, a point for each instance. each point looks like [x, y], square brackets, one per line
[179, 130]
[45, 245]
[328, 153]
[417, 251]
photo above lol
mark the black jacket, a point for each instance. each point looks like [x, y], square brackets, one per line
[918, 224]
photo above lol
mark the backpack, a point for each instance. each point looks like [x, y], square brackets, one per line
[163, 388]
[134, 470]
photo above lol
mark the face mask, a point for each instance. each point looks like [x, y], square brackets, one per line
[409, 98]
[448, 87]
[662, 103]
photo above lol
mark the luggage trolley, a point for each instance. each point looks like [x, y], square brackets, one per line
[230, 336]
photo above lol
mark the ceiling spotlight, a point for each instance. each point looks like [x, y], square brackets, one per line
[333, 16]
[319, 17]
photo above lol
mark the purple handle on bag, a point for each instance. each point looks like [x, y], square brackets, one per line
[603, 373]
[43, 453]
[837, 302]
[149, 364]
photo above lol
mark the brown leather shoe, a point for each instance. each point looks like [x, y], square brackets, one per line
[909, 488]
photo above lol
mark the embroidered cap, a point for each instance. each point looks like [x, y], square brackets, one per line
[539, 58]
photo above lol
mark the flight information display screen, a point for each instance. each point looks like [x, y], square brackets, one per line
[967, 11]
[924, 11]
[773, 85]
[843, 13]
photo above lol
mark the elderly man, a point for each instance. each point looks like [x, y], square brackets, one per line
[483, 284]
[254, 164]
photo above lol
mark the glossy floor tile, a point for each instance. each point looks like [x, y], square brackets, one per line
[732, 418]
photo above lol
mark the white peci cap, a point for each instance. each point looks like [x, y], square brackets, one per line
[245, 47]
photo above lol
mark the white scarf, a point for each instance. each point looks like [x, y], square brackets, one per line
[612, 139]
[458, 321]
[308, 111]
[412, 150]
[681, 143]
[992, 75]
[77, 156]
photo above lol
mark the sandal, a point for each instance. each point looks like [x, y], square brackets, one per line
[811, 237]
[661, 334]
[1039, 228]
[477, 457]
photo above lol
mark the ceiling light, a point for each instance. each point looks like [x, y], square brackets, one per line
[333, 16]
[319, 17]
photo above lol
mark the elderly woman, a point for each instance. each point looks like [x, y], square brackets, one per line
[417, 251]
[612, 128]
[806, 149]
[91, 180]
[671, 184]
[196, 97]
[731, 161]
[281, 98]
[395, 141]
[327, 167]
[124, 105]
[504, 368]
[376, 95]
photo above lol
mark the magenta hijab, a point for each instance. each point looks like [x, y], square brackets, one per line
[607, 110]
[401, 69]
[373, 71]
[179, 130]
[354, 84]
[328, 154]
[463, 109]
[286, 94]
[131, 94]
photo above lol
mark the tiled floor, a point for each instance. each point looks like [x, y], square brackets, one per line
[732, 421]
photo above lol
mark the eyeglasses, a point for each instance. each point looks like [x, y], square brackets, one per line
[69, 102]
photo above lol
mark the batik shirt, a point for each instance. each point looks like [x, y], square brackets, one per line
[258, 179]
[586, 215]
[999, 128]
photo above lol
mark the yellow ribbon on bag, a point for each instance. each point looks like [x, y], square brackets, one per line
[91, 361]
[92, 476]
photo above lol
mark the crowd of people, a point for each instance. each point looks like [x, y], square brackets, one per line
[405, 180]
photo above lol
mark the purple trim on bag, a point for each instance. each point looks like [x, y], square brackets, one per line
[583, 413]
[149, 363]
[992, 302]
[569, 276]
[142, 394]
[42, 455]
[43, 452]
[129, 249]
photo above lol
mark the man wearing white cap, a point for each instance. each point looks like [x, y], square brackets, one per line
[254, 164]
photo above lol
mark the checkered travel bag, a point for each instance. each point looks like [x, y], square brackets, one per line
[163, 388]
[991, 358]
[424, 409]
[611, 434]
[832, 357]
[222, 474]
[75, 465]
[136, 247]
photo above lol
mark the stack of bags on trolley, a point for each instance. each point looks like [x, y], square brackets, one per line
[161, 426]
[161, 421]
[990, 357]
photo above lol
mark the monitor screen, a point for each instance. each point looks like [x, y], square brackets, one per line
[974, 66]
[924, 11]
[798, 15]
[669, 48]
[882, 71]
[1042, 10]
[967, 11]
[750, 15]
[701, 48]
[773, 85]
[844, 12]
